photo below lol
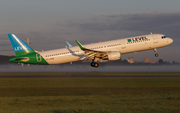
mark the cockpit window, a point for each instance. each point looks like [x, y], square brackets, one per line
[164, 37]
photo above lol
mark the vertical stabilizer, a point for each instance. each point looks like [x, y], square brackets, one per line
[19, 46]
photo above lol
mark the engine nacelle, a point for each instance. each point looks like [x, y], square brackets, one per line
[114, 56]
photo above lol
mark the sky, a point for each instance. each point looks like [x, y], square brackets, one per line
[49, 24]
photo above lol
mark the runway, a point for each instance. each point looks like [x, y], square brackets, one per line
[82, 76]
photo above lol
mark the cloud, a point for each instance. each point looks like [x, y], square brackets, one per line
[165, 23]
[99, 28]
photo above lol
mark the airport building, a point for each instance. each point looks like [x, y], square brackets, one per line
[131, 60]
[146, 60]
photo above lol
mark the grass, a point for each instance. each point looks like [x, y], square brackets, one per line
[90, 73]
[90, 95]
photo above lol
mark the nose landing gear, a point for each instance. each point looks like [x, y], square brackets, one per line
[156, 55]
[156, 52]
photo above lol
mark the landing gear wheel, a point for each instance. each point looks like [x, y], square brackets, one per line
[96, 65]
[156, 55]
[155, 51]
[92, 64]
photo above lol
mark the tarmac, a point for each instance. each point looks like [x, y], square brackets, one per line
[82, 76]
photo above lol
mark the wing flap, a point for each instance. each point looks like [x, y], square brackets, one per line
[91, 54]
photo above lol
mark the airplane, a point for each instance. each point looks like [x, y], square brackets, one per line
[108, 50]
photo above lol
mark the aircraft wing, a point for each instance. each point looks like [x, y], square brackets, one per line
[91, 54]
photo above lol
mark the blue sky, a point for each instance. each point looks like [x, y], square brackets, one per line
[50, 23]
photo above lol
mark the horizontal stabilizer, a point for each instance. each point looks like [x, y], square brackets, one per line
[16, 59]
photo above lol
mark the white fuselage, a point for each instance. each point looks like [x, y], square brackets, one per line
[138, 43]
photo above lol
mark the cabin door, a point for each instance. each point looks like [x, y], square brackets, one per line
[155, 39]
[123, 45]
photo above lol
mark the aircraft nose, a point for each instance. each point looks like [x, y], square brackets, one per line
[170, 40]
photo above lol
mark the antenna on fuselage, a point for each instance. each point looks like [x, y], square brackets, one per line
[28, 41]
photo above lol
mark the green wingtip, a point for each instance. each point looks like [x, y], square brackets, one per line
[79, 44]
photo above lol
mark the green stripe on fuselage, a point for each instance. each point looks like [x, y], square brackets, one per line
[33, 58]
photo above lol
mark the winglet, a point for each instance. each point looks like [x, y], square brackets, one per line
[80, 45]
[68, 44]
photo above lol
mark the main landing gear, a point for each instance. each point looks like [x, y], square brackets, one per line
[156, 52]
[94, 64]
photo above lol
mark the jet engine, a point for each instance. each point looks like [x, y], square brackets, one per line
[114, 56]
